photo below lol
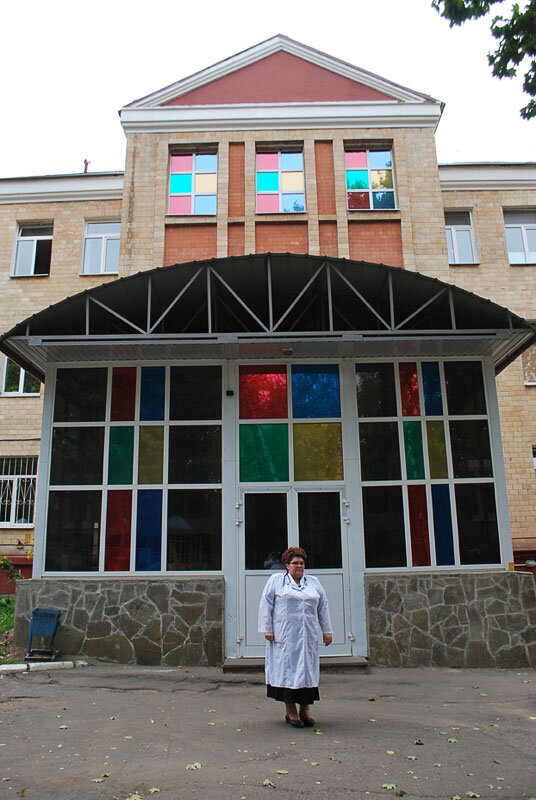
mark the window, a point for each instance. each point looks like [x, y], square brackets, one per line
[280, 184]
[101, 248]
[193, 183]
[534, 458]
[369, 179]
[528, 359]
[15, 380]
[520, 229]
[17, 490]
[460, 243]
[34, 250]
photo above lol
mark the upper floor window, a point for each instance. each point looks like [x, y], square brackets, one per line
[193, 183]
[460, 241]
[280, 183]
[15, 380]
[101, 248]
[17, 490]
[520, 228]
[34, 249]
[369, 179]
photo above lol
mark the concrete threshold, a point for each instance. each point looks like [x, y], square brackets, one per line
[40, 666]
[327, 664]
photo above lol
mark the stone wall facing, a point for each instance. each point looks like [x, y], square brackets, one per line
[452, 620]
[131, 621]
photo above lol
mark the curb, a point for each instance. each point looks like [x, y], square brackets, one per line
[40, 666]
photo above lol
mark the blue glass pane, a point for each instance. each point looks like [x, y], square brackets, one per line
[149, 530]
[442, 525]
[356, 179]
[180, 184]
[267, 181]
[291, 162]
[206, 163]
[383, 199]
[293, 202]
[315, 391]
[153, 381]
[380, 159]
[205, 204]
[431, 384]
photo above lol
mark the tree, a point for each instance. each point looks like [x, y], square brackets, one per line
[516, 35]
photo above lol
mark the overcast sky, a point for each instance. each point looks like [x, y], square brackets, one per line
[67, 67]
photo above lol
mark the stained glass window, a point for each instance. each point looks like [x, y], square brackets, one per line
[149, 530]
[120, 455]
[369, 179]
[193, 183]
[264, 453]
[263, 392]
[318, 451]
[123, 394]
[409, 389]
[153, 386]
[151, 454]
[418, 525]
[315, 391]
[280, 182]
[118, 530]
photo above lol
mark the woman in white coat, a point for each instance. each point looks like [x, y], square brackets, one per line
[291, 608]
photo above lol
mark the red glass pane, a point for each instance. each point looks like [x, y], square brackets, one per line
[118, 522]
[418, 523]
[263, 392]
[123, 393]
[357, 200]
[409, 389]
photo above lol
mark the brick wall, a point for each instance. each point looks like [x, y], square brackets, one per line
[328, 238]
[237, 179]
[325, 177]
[379, 242]
[235, 239]
[281, 237]
[189, 243]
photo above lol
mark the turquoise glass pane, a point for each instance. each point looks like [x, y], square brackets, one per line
[356, 179]
[444, 546]
[431, 384]
[149, 530]
[413, 450]
[291, 162]
[315, 391]
[264, 453]
[380, 159]
[383, 199]
[153, 383]
[120, 455]
[205, 204]
[206, 162]
[291, 203]
[180, 184]
[267, 182]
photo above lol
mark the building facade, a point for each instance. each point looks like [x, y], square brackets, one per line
[303, 348]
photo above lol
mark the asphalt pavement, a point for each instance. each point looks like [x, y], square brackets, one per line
[113, 732]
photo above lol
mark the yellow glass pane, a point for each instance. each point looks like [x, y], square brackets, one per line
[292, 181]
[437, 452]
[318, 451]
[381, 179]
[205, 184]
[151, 454]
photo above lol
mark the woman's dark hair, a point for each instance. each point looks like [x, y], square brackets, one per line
[290, 552]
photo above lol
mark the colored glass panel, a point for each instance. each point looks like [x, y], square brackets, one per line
[267, 161]
[151, 454]
[77, 456]
[120, 455]
[380, 452]
[418, 523]
[383, 524]
[292, 203]
[465, 387]
[380, 159]
[315, 391]
[319, 525]
[383, 199]
[205, 183]
[205, 204]
[153, 380]
[409, 389]
[195, 454]
[442, 515]
[381, 179]
[358, 200]
[118, 524]
[195, 393]
[266, 534]
[292, 182]
[180, 205]
[264, 453]
[206, 162]
[357, 179]
[263, 392]
[318, 451]
[376, 391]
[471, 455]
[194, 529]
[80, 395]
[180, 184]
[355, 159]
[291, 161]
[437, 450]
[431, 386]
[477, 523]
[149, 530]
[123, 394]
[267, 203]
[73, 531]
[182, 163]
[413, 450]
[267, 181]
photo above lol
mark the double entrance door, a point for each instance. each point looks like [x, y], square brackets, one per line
[270, 520]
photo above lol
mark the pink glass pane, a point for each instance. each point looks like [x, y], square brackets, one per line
[263, 392]
[182, 163]
[356, 159]
[123, 393]
[118, 522]
[418, 523]
[409, 389]
[180, 205]
[357, 200]
[267, 203]
[267, 161]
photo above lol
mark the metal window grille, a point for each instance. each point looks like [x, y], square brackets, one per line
[17, 489]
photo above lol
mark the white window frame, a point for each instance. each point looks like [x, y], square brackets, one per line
[523, 227]
[36, 238]
[104, 237]
[454, 230]
[370, 191]
[30, 473]
[280, 172]
[22, 376]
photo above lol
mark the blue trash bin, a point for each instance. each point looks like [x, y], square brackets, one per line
[44, 624]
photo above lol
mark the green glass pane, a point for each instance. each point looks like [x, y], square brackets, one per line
[11, 383]
[413, 449]
[264, 452]
[151, 454]
[437, 453]
[120, 454]
[31, 384]
[318, 451]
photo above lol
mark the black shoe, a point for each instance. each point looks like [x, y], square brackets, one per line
[308, 722]
[296, 723]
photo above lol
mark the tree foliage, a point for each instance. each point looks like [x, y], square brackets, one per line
[515, 34]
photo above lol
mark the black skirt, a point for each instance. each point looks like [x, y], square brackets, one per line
[304, 697]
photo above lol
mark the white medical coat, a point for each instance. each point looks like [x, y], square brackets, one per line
[293, 613]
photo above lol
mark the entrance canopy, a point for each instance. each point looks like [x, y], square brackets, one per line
[266, 306]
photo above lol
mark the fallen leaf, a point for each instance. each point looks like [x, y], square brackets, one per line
[437, 765]
[483, 694]
[257, 706]
[22, 791]
[282, 771]
[212, 711]
[496, 761]
[472, 794]
[267, 782]
[112, 717]
[239, 730]
[128, 737]
[494, 725]
[456, 797]
[105, 775]
[134, 796]
[491, 786]
[97, 780]
[211, 723]
[372, 699]
[443, 733]
[154, 790]
[319, 732]
[418, 741]
[412, 758]
[337, 741]
[401, 793]
[315, 763]
[195, 765]
[390, 752]
[499, 779]
[63, 727]
[388, 785]
[451, 739]
[372, 720]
